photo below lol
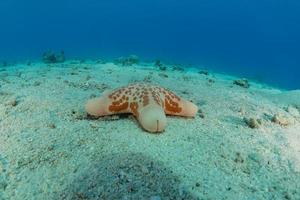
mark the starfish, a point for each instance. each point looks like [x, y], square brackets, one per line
[148, 103]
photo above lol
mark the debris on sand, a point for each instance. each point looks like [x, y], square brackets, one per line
[13, 102]
[204, 72]
[178, 68]
[278, 119]
[49, 57]
[253, 122]
[160, 65]
[242, 82]
[211, 81]
[163, 75]
[201, 114]
[127, 61]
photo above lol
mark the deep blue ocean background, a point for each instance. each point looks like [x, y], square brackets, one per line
[258, 39]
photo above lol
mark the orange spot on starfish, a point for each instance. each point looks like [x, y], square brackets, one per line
[118, 108]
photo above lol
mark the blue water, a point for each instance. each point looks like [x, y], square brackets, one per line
[251, 38]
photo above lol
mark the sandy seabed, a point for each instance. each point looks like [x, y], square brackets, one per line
[50, 149]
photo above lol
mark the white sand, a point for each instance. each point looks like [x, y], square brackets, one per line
[50, 150]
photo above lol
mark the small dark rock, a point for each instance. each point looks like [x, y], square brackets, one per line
[287, 196]
[277, 119]
[93, 96]
[88, 77]
[12, 102]
[163, 75]
[178, 68]
[50, 57]
[158, 63]
[242, 82]
[238, 158]
[211, 81]
[204, 72]
[148, 79]
[50, 148]
[52, 126]
[201, 114]
[252, 122]
[162, 68]
[73, 73]
[36, 83]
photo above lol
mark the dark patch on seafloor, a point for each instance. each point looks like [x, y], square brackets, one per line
[3, 176]
[126, 176]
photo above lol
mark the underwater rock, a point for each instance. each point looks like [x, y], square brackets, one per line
[204, 72]
[163, 75]
[134, 59]
[50, 57]
[52, 126]
[252, 122]
[163, 68]
[74, 73]
[148, 79]
[242, 82]
[277, 119]
[178, 68]
[4, 64]
[127, 61]
[37, 83]
[160, 65]
[201, 114]
[239, 158]
[13, 102]
[211, 81]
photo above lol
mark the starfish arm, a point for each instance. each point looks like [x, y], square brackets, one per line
[98, 107]
[180, 108]
[152, 118]
[189, 109]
